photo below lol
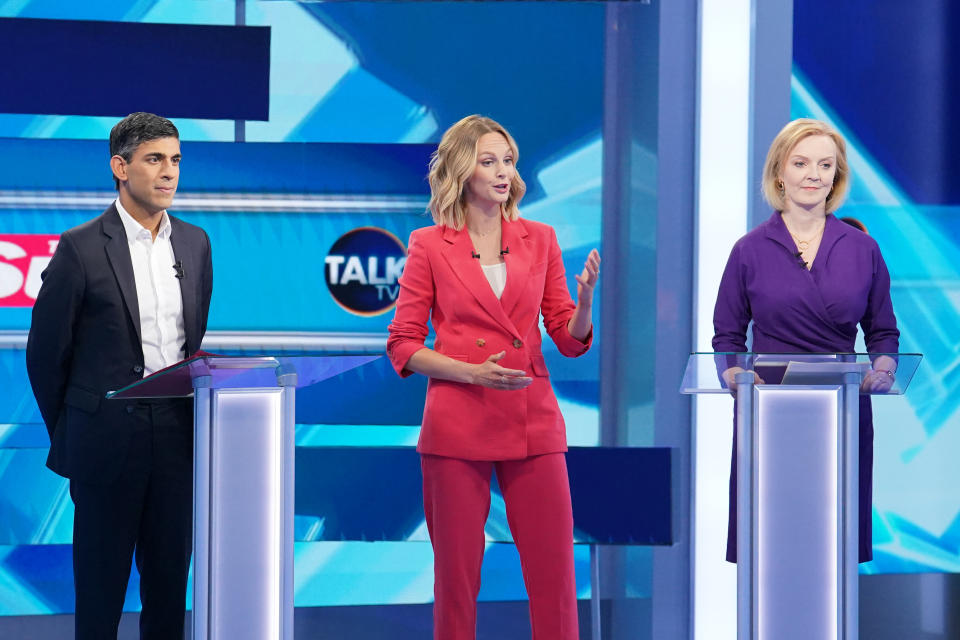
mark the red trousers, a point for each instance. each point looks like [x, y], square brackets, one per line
[456, 500]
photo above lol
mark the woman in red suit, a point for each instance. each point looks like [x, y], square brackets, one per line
[485, 276]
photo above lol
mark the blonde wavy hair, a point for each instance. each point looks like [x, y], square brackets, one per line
[780, 149]
[453, 164]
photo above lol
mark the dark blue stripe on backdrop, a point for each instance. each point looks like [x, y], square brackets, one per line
[621, 496]
[92, 68]
[897, 86]
[253, 167]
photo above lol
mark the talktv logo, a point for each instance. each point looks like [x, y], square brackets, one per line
[23, 257]
[362, 269]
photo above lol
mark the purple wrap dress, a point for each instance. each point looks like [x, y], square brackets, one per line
[796, 310]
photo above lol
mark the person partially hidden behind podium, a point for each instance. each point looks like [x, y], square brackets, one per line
[124, 295]
[483, 276]
[805, 279]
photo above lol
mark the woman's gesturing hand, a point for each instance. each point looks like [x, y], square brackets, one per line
[587, 279]
[491, 375]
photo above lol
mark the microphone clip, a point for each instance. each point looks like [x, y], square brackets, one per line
[178, 267]
[503, 252]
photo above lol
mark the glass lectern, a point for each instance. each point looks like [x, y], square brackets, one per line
[797, 482]
[243, 476]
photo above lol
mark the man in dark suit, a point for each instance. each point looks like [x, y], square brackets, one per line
[125, 294]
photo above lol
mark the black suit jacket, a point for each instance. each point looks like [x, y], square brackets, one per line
[85, 339]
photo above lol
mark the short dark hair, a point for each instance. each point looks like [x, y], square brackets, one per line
[856, 224]
[134, 130]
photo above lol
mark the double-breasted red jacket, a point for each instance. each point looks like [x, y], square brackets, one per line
[444, 284]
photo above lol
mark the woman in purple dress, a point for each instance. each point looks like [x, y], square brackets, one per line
[805, 279]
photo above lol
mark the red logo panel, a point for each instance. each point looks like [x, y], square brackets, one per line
[23, 257]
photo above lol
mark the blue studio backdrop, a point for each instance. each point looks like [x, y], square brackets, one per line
[306, 134]
[893, 103]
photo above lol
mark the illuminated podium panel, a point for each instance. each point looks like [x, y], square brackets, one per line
[243, 491]
[797, 484]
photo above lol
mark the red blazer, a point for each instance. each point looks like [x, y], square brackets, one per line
[469, 421]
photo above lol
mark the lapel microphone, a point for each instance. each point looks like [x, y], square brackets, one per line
[473, 254]
[799, 256]
[178, 267]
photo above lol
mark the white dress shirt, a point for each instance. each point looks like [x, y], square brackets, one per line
[158, 293]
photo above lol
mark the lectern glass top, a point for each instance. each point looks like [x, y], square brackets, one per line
[238, 372]
[705, 370]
